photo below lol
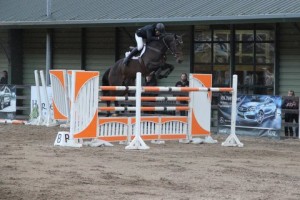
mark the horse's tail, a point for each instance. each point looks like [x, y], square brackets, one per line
[105, 81]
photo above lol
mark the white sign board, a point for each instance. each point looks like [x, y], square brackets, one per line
[34, 100]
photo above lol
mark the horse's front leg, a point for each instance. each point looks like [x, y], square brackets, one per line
[157, 73]
[169, 68]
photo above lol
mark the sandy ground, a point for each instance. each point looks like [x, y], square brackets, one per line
[32, 168]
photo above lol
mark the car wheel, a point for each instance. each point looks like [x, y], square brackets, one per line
[260, 116]
[222, 120]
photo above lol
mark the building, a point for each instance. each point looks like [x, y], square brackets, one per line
[258, 40]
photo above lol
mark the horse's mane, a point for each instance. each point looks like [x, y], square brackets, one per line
[169, 35]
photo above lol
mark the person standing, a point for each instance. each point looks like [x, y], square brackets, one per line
[150, 81]
[292, 104]
[4, 77]
[183, 83]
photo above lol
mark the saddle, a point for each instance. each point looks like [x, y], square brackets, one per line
[135, 57]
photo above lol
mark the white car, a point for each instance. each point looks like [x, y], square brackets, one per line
[5, 97]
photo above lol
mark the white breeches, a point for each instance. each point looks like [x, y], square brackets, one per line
[140, 42]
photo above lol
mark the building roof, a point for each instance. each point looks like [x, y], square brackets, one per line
[134, 12]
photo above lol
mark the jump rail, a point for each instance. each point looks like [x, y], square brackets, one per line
[177, 108]
[118, 98]
[164, 89]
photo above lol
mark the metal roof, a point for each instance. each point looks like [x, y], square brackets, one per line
[133, 12]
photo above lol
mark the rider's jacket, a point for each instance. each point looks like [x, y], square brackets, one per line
[147, 32]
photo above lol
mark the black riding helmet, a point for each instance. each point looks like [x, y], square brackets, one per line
[159, 28]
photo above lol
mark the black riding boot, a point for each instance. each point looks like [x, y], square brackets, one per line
[131, 54]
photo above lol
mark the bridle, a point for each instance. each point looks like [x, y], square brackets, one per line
[175, 54]
[169, 49]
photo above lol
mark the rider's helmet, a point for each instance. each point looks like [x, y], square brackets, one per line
[159, 28]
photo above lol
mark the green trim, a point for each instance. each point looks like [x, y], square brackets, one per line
[83, 49]
[117, 44]
[15, 70]
[192, 48]
[277, 60]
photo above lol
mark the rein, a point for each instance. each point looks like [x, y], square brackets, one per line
[168, 47]
[154, 49]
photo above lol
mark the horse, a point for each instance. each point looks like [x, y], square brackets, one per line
[153, 60]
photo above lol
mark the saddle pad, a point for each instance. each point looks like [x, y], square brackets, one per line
[136, 57]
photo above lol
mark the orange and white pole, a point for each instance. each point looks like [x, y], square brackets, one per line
[170, 108]
[120, 98]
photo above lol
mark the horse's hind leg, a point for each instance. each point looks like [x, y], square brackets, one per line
[116, 113]
[108, 103]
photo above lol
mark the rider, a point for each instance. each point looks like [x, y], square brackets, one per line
[148, 32]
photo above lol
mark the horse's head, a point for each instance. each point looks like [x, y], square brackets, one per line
[174, 43]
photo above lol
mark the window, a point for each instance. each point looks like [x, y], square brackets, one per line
[212, 53]
[253, 55]
[254, 61]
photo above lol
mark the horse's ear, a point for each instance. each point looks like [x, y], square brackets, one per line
[182, 34]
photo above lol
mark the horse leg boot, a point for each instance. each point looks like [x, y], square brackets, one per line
[131, 54]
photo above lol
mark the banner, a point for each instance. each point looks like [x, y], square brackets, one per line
[34, 101]
[8, 102]
[257, 115]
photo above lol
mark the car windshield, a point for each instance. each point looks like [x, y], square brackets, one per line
[260, 101]
[269, 101]
[255, 100]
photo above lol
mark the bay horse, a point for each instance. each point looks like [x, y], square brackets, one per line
[153, 60]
